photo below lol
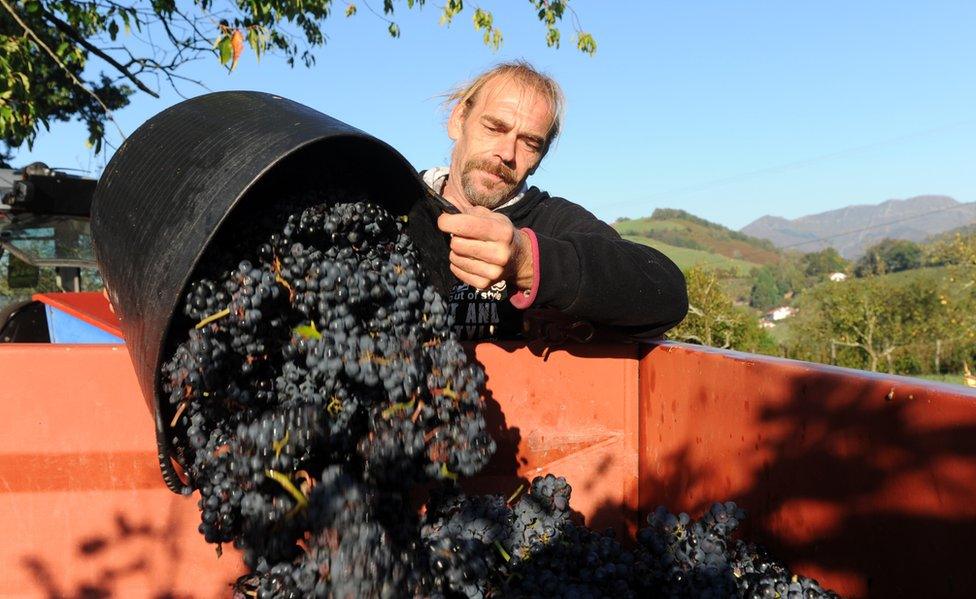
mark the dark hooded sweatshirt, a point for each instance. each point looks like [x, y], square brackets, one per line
[586, 272]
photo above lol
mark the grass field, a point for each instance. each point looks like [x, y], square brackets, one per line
[918, 274]
[685, 258]
[640, 225]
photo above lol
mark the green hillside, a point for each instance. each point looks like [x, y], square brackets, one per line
[681, 230]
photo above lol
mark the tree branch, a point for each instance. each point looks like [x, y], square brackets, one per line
[71, 32]
[849, 344]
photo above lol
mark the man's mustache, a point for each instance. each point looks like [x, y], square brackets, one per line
[500, 170]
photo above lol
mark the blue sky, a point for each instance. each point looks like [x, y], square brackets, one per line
[730, 110]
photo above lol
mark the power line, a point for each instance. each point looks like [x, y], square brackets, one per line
[775, 169]
[878, 226]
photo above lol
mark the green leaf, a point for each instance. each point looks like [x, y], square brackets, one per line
[350, 10]
[307, 331]
[225, 49]
[257, 37]
[446, 473]
[252, 40]
[496, 40]
[452, 8]
[552, 37]
[586, 43]
[484, 21]
[394, 30]
[113, 30]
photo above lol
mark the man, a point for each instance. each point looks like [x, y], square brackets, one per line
[513, 247]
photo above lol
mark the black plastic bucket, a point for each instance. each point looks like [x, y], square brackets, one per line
[175, 180]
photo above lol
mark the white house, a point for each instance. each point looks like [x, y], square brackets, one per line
[769, 319]
[837, 277]
[780, 313]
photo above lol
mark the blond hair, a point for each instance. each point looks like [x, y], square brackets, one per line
[467, 94]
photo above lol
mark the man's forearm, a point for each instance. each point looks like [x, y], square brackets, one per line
[610, 281]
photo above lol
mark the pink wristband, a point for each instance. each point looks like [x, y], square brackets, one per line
[524, 299]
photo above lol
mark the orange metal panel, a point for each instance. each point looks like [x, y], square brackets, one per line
[83, 507]
[572, 413]
[865, 482]
[82, 504]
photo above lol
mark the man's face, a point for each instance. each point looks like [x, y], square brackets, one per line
[499, 141]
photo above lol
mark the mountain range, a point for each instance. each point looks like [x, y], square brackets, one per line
[853, 229]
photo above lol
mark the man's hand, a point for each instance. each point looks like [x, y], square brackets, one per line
[486, 248]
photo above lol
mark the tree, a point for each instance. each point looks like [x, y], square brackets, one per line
[822, 263]
[49, 49]
[765, 293]
[958, 251]
[958, 254]
[889, 255]
[875, 317]
[713, 320]
[773, 283]
[921, 322]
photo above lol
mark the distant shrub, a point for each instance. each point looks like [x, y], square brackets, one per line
[889, 255]
[822, 263]
[677, 214]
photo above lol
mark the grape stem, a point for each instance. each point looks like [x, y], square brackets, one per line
[285, 482]
[515, 494]
[280, 279]
[280, 444]
[446, 391]
[213, 317]
[416, 412]
[397, 407]
[502, 551]
[179, 412]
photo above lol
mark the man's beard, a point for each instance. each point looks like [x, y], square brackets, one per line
[494, 195]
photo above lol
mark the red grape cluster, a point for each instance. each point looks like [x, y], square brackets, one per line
[316, 391]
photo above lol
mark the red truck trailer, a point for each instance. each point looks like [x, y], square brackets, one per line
[865, 482]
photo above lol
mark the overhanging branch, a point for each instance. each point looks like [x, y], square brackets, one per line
[74, 78]
[73, 33]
